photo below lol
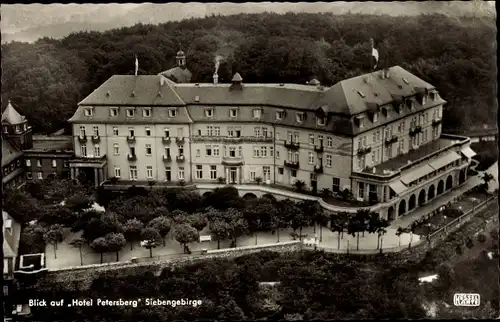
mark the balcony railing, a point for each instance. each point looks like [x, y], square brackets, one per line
[179, 140]
[318, 168]
[180, 158]
[436, 122]
[166, 139]
[416, 130]
[96, 139]
[131, 139]
[292, 145]
[167, 158]
[231, 139]
[290, 164]
[132, 157]
[82, 138]
[364, 150]
[391, 140]
[319, 148]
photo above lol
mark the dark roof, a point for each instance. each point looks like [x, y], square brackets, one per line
[178, 74]
[180, 53]
[11, 116]
[51, 144]
[9, 152]
[134, 90]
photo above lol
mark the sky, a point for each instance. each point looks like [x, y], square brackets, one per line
[22, 22]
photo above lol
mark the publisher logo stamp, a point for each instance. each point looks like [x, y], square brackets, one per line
[466, 299]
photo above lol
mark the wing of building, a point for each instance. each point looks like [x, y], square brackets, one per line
[378, 135]
[180, 73]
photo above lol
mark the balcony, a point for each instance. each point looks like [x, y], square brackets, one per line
[206, 138]
[391, 140]
[318, 168]
[131, 139]
[166, 140]
[82, 138]
[436, 122]
[96, 139]
[292, 145]
[416, 130]
[131, 157]
[179, 140]
[290, 164]
[319, 149]
[232, 161]
[167, 158]
[364, 150]
[180, 158]
[230, 139]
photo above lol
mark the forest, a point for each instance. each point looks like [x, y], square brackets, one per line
[45, 80]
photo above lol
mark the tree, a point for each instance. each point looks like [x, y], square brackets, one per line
[100, 227]
[487, 178]
[163, 225]
[198, 221]
[299, 185]
[219, 230]
[258, 180]
[381, 231]
[151, 238]
[58, 214]
[100, 245]
[78, 242]
[54, 235]
[132, 231]
[224, 198]
[326, 193]
[336, 226]
[310, 209]
[185, 234]
[78, 202]
[115, 242]
[33, 237]
[236, 223]
[356, 225]
[18, 204]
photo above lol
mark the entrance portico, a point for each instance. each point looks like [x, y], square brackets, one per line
[232, 170]
[90, 164]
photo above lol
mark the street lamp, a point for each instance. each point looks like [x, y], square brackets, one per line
[474, 200]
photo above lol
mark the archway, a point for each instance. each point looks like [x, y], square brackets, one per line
[449, 182]
[402, 207]
[390, 214]
[249, 196]
[440, 189]
[431, 193]
[461, 176]
[206, 194]
[412, 202]
[421, 197]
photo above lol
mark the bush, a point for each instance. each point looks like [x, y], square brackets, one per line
[459, 250]
[494, 234]
[469, 243]
[481, 238]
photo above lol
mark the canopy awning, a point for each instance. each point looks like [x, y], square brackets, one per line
[444, 160]
[398, 187]
[416, 173]
[468, 152]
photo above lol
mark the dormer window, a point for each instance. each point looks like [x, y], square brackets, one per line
[424, 100]
[257, 113]
[146, 112]
[88, 111]
[209, 112]
[385, 111]
[406, 81]
[409, 103]
[361, 94]
[321, 121]
[172, 113]
[280, 115]
[5, 129]
[131, 112]
[196, 98]
[375, 117]
[433, 95]
[360, 121]
[299, 117]
[233, 112]
[113, 111]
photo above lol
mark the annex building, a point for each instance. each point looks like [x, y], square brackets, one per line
[378, 135]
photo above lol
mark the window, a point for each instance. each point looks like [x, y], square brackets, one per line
[28, 163]
[217, 130]
[115, 131]
[280, 171]
[240, 150]
[311, 158]
[82, 131]
[320, 121]
[83, 150]
[277, 135]
[388, 132]
[257, 131]
[113, 111]
[96, 130]
[146, 112]
[296, 137]
[336, 184]
[299, 117]
[277, 154]
[131, 132]
[166, 132]
[290, 136]
[148, 149]
[118, 172]
[66, 163]
[320, 140]
[133, 172]
[361, 122]
[39, 176]
[252, 176]
[374, 137]
[167, 152]
[216, 151]
[263, 151]
[209, 112]
[361, 190]
[29, 175]
[264, 132]
[401, 147]
[88, 111]
[375, 117]
[208, 150]
[424, 138]
[131, 113]
[148, 131]
[296, 157]
[232, 151]
[257, 113]
[280, 115]
[267, 172]
[213, 172]
[199, 172]
[361, 162]
[329, 160]
[149, 172]
[181, 151]
[180, 173]
[116, 149]
[256, 152]
[39, 163]
[198, 153]
[233, 112]
[97, 151]
[329, 142]
[168, 174]
[5, 129]
[293, 173]
[271, 151]
[311, 139]
[132, 150]
[172, 113]
[388, 152]
[230, 132]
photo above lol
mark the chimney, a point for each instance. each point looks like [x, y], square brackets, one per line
[386, 73]
[216, 78]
